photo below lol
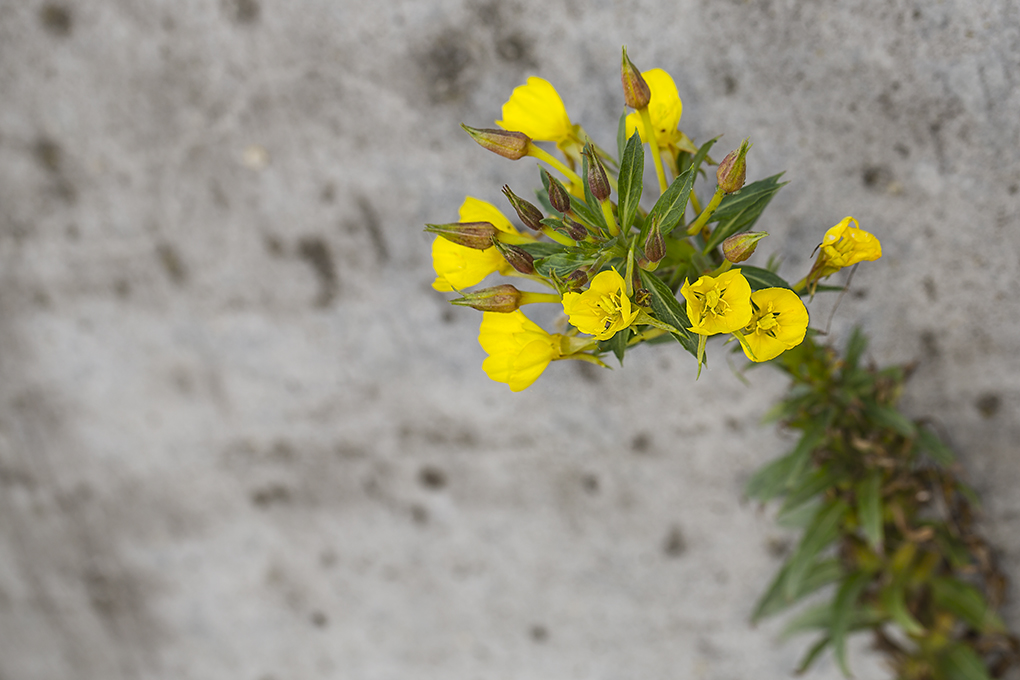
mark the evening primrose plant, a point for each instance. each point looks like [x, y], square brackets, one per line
[627, 264]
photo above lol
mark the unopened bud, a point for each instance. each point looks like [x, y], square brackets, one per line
[731, 172]
[655, 245]
[575, 230]
[529, 214]
[503, 298]
[558, 196]
[477, 235]
[635, 90]
[598, 182]
[508, 144]
[739, 247]
[577, 279]
[517, 257]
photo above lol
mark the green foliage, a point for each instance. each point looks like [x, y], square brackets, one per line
[889, 530]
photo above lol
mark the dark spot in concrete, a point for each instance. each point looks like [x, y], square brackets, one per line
[590, 483]
[273, 245]
[876, 177]
[1013, 189]
[315, 251]
[319, 619]
[432, 478]
[172, 263]
[72, 233]
[374, 228]
[271, 494]
[929, 288]
[860, 293]
[674, 545]
[419, 515]
[328, 193]
[929, 344]
[327, 558]
[641, 442]
[122, 288]
[733, 424]
[48, 154]
[57, 19]
[988, 404]
[729, 84]
[242, 12]
[588, 372]
[282, 452]
[777, 547]
[445, 67]
[514, 49]
[13, 477]
[916, 15]
[539, 633]
[448, 315]
[219, 196]
[902, 149]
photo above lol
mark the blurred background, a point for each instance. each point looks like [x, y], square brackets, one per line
[242, 437]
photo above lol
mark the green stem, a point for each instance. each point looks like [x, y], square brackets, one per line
[528, 298]
[542, 155]
[607, 211]
[653, 144]
[702, 220]
[559, 238]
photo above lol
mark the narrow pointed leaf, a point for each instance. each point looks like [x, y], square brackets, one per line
[762, 278]
[844, 608]
[738, 212]
[869, 510]
[668, 310]
[822, 532]
[961, 662]
[672, 205]
[632, 168]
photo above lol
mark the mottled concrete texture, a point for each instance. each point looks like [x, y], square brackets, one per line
[241, 437]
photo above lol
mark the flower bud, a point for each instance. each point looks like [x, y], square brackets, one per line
[575, 230]
[517, 257]
[529, 214]
[731, 172]
[739, 247]
[512, 145]
[655, 245]
[477, 235]
[636, 92]
[577, 279]
[503, 298]
[558, 196]
[598, 182]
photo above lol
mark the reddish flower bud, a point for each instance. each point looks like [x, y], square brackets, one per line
[517, 257]
[598, 182]
[636, 92]
[739, 247]
[529, 214]
[575, 230]
[655, 245]
[503, 298]
[558, 196]
[577, 279]
[477, 235]
[512, 145]
[731, 172]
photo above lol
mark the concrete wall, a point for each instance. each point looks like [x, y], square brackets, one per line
[241, 437]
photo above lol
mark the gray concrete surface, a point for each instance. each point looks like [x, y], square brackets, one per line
[241, 437]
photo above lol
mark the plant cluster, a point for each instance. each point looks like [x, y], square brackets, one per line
[615, 266]
[885, 521]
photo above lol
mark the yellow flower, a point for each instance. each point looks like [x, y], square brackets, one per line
[536, 109]
[843, 245]
[778, 323]
[518, 349]
[720, 304]
[664, 109]
[460, 267]
[603, 309]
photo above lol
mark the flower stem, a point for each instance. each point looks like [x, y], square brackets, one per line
[653, 144]
[607, 211]
[542, 155]
[559, 238]
[702, 220]
[528, 297]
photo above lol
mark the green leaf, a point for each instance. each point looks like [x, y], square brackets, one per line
[809, 488]
[672, 205]
[966, 602]
[822, 573]
[935, 447]
[813, 653]
[960, 662]
[869, 510]
[668, 310]
[818, 536]
[617, 344]
[894, 601]
[890, 418]
[738, 212]
[844, 612]
[701, 156]
[855, 347]
[562, 265]
[774, 479]
[818, 616]
[762, 278]
[538, 249]
[632, 168]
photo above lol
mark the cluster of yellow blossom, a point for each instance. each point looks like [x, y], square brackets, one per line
[615, 268]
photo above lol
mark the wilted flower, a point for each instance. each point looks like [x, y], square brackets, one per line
[843, 246]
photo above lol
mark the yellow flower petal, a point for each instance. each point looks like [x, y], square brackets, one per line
[664, 109]
[536, 109]
[602, 310]
[779, 323]
[519, 350]
[720, 304]
[458, 267]
[476, 210]
[842, 246]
